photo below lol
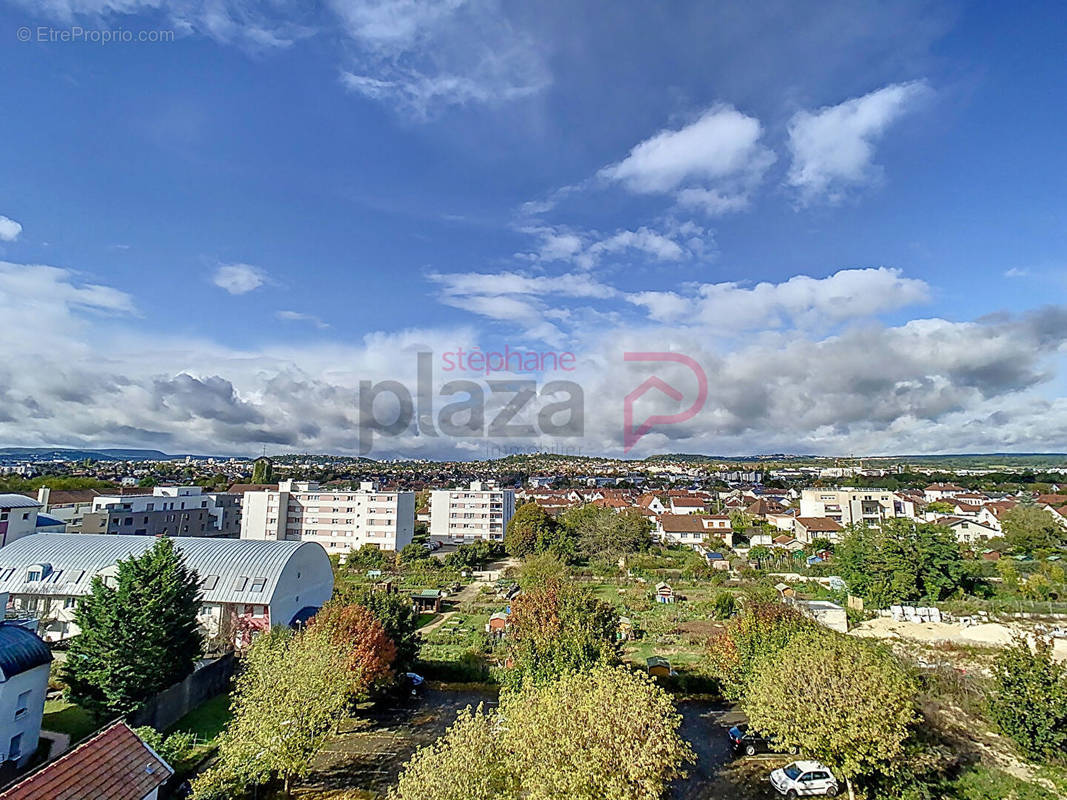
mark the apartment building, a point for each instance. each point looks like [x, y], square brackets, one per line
[339, 520]
[479, 512]
[18, 517]
[850, 506]
[166, 511]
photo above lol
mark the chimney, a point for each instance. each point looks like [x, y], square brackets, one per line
[42, 497]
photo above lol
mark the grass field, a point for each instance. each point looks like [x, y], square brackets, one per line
[63, 717]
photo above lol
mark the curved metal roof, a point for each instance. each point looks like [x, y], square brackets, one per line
[21, 650]
[74, 558]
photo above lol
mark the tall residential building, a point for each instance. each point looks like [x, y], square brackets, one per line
[166, 511]
[480, 512]
[848, 506]
[338, 520]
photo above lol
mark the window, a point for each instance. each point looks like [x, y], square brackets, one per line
[14, 750]
[239, 583]
[209, 583]
[34, 574]
[69, 602]
[258, 584]
[23, 704]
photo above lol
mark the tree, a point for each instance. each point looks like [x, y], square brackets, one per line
[845, 702]
[412, 553]
[397, 617]
[467, 763]
[1028, 528]
[137, 637]
[901, 560]
[629, 747]
[753, 639]
[1029, 698]
[559, 627]
[366, 649]
[540, 570]
[528, 526]
[288, 699]
[604, 535]
[262, 470]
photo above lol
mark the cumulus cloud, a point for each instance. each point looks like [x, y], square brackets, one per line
[9, 229]
[800, 300]
[712, 164]
[926, 385]
[833, 147]
[672, 241]
[239, 278]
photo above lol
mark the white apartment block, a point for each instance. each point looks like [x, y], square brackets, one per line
[338, 520]
[480, 512]
[18, 517]
[850, 506]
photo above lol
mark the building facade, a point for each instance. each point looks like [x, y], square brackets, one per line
[25, 662]
[245, 585]
[166, 511]
[850, 506]
[18, 517]
[338, 520]
[481, 511]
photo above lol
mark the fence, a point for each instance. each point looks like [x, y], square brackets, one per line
[172, 704]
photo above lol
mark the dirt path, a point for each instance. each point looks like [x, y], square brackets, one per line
[464, 595]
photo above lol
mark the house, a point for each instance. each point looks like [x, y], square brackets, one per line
[787, 543]
[968, 530]
[115, 764]
[248, 584]
[808, 529]
[25, 661]
[941, 491]
[692, 529]
[991, 513]
[688, 505]
[664, 593]
[658, 667]
[849, 506]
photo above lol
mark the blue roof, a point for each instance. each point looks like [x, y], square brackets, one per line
[45, 521]
[21, 650]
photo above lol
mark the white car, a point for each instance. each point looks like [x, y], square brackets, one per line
[804, 779]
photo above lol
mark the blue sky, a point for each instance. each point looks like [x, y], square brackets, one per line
[853, 218]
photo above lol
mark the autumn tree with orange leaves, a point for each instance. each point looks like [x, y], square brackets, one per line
[365, 647]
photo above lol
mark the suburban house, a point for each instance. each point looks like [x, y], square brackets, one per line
[688, 505]
[18, 517]
[481, 511]
[692, 529]
[25, 661]
[246, 584]
[941, 491]
[339, 520]
[808, 529]
[968, 530]
[115, 764]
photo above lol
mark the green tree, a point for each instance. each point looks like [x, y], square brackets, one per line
[1029, 698]
[540, 570]
[602, 534]
[753, 638]
[291, 693]
[138, 636]
[558, 627]
[526, 526]
[843, 701]
[398, 618]
[1029, 528]
[629, 747]
[900, 560]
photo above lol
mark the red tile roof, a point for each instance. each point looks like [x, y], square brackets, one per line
[819, 524]
[115, 764]
[682, 523]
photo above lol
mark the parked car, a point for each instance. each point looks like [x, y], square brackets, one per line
[804, 779]
[745, 740]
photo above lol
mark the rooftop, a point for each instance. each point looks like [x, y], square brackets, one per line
[20, 650]
[115, 764]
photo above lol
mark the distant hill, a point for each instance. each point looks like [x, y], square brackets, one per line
[71, 454]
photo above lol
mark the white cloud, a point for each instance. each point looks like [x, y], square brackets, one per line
[239, 278]
[800, 300]
[296, 316]
[425, 56]
[712, 163]
[672, 241]
[833, 147]
[1016, 272]
[9, 229]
